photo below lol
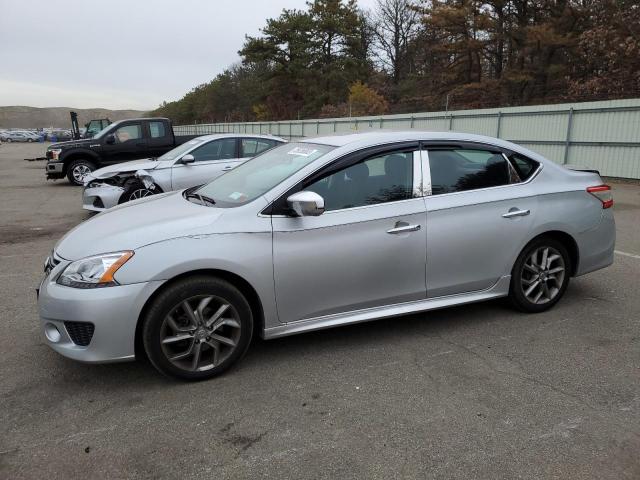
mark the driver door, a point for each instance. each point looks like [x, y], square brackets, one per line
[211, 160]
[367, 250]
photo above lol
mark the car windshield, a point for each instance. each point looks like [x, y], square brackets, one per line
[181, 149]
[257, 176]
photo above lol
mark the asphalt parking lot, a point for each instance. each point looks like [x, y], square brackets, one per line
[477, 391]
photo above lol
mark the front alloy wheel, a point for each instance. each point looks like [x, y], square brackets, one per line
[197, 328]
[200, 333]
[540, 275]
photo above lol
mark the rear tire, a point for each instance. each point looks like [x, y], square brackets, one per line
[78, 170]
[540, 275]
[197, 328]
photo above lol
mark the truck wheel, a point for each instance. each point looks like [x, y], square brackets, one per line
[135, 189]
[78, 170]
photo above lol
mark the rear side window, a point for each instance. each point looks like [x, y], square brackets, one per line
[253, 146]
[156, 129]
[523, 165]
[458, 170]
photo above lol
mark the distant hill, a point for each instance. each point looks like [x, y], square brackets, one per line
[32, 117]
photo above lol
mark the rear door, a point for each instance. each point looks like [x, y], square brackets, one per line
[159, 138]
[479, 214]
[211, 160]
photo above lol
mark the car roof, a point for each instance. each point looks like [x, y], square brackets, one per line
[240, 135]
[378, 137]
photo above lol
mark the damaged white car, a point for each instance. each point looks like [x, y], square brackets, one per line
[193, 163]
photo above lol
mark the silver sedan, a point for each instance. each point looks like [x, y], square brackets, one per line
[321, 233]
[193, 163]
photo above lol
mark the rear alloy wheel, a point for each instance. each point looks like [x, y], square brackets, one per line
[78, 171]
[197, 328]
[540, 275]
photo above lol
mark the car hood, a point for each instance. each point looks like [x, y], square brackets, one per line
[132, 166]
[135, 224]
[71, 144]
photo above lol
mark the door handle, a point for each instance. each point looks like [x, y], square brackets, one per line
[403, 227]
[141, 144]
[226, 169]
[514, 212]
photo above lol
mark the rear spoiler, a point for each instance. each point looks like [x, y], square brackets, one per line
[581, 169]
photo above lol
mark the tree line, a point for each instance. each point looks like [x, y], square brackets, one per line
[335, 59]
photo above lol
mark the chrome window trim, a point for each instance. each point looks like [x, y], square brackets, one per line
[426, 173]
[418, 177]
[513, 173]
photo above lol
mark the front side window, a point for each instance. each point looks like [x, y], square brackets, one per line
[257, 176]
[128, 133]
[380, 179]
[156, 129]
[458, 170]
[216, 150]
[253, 146]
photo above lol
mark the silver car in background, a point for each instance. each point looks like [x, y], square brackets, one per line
[319, 233]
[193, 163]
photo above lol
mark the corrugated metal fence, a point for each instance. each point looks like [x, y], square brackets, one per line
[602, 135]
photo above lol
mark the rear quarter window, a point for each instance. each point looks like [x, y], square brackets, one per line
[523, 165]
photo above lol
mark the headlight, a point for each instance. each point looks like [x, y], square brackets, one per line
[94, 272]
[55, 153]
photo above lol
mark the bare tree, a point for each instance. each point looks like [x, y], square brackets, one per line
[396, 24]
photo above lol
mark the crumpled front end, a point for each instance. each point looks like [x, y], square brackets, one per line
[97, 196]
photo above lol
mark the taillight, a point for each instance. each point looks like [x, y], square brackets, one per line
[602, 193]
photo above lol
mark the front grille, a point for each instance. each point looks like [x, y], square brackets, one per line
[80, 332]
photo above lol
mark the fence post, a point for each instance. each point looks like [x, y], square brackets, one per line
[412, 119]
[567, 142]
[317, 127]
[335, 124]
[499, 122]
[356, 124]
[450, 120]
[302, 129]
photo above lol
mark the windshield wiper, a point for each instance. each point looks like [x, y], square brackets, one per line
[203, 198]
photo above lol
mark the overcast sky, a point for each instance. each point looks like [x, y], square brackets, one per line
[121, 53]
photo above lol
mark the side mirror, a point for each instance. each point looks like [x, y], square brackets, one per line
[306, 204]
[110, 140]
[187, 159]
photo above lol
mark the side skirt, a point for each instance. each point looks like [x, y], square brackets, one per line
[499, 289]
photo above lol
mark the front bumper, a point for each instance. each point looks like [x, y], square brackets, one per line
[54, 170]
[113, 312]
[101, 197]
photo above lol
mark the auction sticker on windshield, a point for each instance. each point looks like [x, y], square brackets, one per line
[302, 151]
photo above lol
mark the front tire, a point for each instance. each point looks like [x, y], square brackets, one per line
[78, 170]
[135, 189]
[197, 328]
[540, 275]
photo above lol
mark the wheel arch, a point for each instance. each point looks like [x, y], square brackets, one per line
[236, 280]
[82, 154]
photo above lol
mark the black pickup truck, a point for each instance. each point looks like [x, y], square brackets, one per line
[119, 142]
